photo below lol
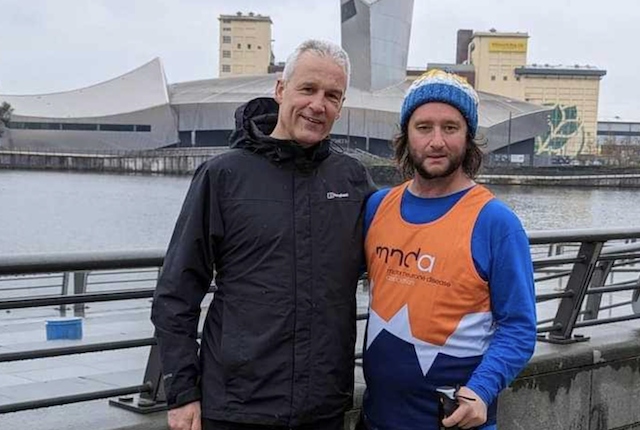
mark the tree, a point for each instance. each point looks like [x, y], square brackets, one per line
[5, 116]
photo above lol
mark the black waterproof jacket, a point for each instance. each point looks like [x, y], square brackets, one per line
[282, 228]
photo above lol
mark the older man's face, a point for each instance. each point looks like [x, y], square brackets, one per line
[310, 101]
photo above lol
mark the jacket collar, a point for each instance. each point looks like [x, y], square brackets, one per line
[255, 120]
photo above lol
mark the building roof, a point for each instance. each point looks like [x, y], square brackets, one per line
[139, 89]
[248, 17]
[494, 33]
[238, 89]
[559, 70]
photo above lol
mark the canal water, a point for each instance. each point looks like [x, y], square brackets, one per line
[42, 212]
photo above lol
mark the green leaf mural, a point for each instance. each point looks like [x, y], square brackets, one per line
[563, 125]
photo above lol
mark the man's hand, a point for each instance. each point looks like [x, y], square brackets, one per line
[185, 417]
[470, 413]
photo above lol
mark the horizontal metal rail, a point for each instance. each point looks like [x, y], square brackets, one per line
[35, 302]
[79, 261]
[76, 349]
[74, 398]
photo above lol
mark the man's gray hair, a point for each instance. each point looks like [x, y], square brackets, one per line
[321, 48]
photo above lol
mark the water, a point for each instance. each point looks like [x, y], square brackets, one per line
[43, 212]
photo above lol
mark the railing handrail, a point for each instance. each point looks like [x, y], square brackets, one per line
[150, 257]
[79, 261]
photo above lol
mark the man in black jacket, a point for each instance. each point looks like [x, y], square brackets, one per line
[278, 219]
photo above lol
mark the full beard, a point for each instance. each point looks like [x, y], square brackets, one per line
[455, 161]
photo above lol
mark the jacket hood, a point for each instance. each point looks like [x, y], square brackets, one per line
[255, 120]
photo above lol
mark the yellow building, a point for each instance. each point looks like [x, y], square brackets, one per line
[245, 44]
[573, 92]
[495, 57]
[500, 64]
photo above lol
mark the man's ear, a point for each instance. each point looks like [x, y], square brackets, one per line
[279, 90]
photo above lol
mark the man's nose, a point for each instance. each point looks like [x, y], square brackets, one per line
[317, 103]
[438, 137]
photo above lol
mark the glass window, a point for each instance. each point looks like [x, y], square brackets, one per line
[77, 126]
[143, 128]
[226, 39]
[226, 68]
[249, 46]
[239, 45]
[116, 127]
[226, 28]
[226, 54]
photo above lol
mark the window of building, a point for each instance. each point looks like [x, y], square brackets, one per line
[226, 68]
[226, 21]
[79, 126]
[504, 78]
[226, 39]
[226, 28]
[116, 127]
[248, 46]
[259, 47]
[517, 78]
[226, 54]
[239, 45]
[493, 77]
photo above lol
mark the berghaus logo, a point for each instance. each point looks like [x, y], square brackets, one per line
[331, 195]
[422, 261]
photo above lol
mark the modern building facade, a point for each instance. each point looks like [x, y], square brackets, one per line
[500, 63]
[129, 112]
[619, 140]
[245, 44]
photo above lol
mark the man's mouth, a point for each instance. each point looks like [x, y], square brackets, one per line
[312, 120]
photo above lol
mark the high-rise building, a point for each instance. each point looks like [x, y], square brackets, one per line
[245, 44]
[376, 35]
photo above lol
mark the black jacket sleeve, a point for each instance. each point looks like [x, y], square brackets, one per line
[185, 279]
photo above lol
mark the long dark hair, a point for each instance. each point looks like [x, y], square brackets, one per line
[470, 165]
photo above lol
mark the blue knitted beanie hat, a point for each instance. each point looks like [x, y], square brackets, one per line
[440, 86]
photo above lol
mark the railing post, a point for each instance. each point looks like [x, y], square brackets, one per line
[597, 281]
[577, 286]
[79, 287]
[152, 400]
[63, 292]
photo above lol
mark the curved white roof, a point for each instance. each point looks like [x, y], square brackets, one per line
[139, 89]
[493, 108]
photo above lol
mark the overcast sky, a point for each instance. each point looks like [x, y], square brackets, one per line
[56, 45]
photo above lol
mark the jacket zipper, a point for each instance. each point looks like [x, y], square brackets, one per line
[295, 291]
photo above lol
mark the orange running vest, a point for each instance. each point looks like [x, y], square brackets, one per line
[427, 267]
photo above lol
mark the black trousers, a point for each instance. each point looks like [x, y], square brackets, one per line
[328, 424]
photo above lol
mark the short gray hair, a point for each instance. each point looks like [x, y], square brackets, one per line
[321, 48]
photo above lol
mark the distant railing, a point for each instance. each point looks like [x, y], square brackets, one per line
[570, 266]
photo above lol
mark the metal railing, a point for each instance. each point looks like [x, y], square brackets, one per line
[583, 263]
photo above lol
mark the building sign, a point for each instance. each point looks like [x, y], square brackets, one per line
[517, 158]
[508, 45]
